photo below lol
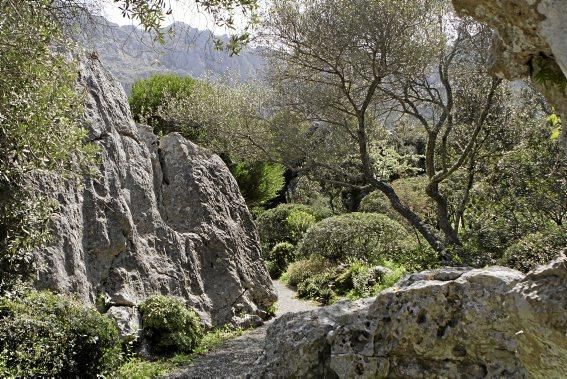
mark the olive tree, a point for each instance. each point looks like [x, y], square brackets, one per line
[329, 59]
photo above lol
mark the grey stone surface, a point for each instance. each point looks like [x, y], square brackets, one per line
[493, 322]
[526, 29]
[160, 216]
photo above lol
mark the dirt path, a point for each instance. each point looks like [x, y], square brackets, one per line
[234, 358]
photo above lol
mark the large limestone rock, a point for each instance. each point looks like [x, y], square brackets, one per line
[530, 33]
[160, 216]
[492, 322]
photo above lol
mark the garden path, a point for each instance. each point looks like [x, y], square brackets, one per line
[235, 357]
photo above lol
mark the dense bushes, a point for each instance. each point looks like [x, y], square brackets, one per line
[47, 335]
[319, 279]
[169, 325]
[368, 236]
[302, 269]
[287, 223]
[259, 181]
[536, 249]
[411, 192]
[279, 257]
[149, 95]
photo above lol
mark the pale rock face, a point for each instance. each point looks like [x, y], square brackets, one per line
[526, 30]
[162, 216]
[493, 322]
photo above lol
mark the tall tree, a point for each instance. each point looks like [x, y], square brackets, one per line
[348, 67]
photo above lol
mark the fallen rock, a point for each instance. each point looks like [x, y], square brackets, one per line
[161, 215]
[492, 322]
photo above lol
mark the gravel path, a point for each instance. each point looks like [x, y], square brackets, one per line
[235, 357]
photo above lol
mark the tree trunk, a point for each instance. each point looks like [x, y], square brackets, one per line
[412, 217]
[451, 235]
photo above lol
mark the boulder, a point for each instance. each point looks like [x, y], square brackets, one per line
[160, 215]
[492, 322]
[530, 34]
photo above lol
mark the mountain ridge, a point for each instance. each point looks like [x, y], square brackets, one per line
[132, 54]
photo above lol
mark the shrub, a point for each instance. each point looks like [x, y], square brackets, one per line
[318, 287]
[258, 182]
[279, 257]
[47, 335]
[148, 95]
[287, 223]
[298, 271]
[536, 249]
[367, 236]
[169, 325]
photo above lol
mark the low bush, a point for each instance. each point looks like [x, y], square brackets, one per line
[300, 270]
[318, 287]
[169, 325]
[287, 223]
[47, 335]
[370, 237]
[536, 249]
[279, 258]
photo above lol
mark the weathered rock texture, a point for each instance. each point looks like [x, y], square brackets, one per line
[161, 216]
[529, 33]
[483, 323]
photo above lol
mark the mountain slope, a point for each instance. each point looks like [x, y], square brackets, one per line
[131, 54]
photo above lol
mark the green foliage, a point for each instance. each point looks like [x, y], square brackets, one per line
[150, 95]
[169, 325]
[287, 223]
[536, 249]
[366, 236]
[389, 279]
[300, 270]
[354, 280]
[47, 335]
[39, 110]
[411, 192]
[279, 257]
[317, 287]
[138, 368]
[548, 73]
[258, 181]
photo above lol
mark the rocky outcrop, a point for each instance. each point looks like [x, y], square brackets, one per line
[531, 36]
[161, 215]
[493, 322]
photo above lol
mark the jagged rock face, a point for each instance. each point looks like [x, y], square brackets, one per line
[527, 31]
[161, 216]
[492, 322]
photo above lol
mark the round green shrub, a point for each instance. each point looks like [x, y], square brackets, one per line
[47, 335]
[169, 325]
[536, 249]
[370, 237]
[287, 223]
[279, 257]
[302, 269]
